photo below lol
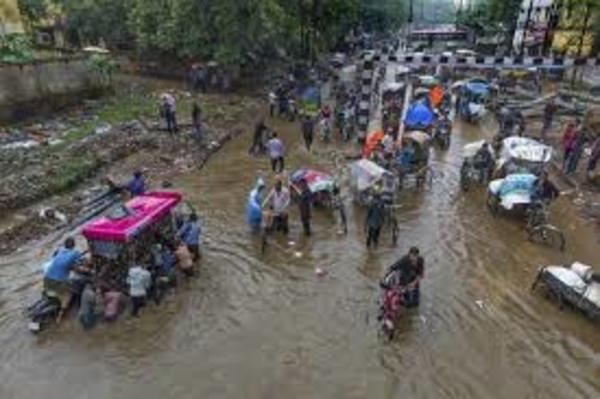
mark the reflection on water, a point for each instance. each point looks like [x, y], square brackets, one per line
[266, 326]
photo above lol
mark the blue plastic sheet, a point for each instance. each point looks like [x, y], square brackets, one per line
[517, 183]
[419, 116]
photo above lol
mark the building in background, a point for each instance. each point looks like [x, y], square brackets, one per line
[534, 24]
[574, 33]
[10, 17]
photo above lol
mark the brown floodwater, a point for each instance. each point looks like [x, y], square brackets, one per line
[265, 326]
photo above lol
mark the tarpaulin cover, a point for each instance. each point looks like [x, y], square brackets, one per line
[470, 150]
[419, 115]
[371, 142]
[366, 173]
[525, 149]
[514, 189]
[317, 181]
[477, 88]
[144, 210]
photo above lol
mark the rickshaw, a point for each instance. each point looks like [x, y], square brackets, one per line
[413, 159]
[577, 285]
[516, 193]
[124, 237]
[522, 155]
[402, 72]
[367, 179]
[393, 91]
[474, 96]
[325, 191]
[472, 170]
[116, 242]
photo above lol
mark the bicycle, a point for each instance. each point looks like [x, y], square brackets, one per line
[539, 229]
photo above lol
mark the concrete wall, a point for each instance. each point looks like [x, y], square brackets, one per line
[42, 86]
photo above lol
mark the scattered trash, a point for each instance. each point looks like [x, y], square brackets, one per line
[20, 144]
[102, 129]
[320, 272]
[298, 254]
[49, 213]
[54, 142]
[480, 304]
[291, 243]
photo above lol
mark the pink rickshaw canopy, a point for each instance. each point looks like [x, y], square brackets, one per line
[144, 210]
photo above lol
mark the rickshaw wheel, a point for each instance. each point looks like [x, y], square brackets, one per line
[548, 235]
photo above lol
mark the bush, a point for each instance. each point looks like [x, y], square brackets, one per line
[15, 48]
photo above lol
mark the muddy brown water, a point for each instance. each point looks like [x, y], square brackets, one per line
[257, 326]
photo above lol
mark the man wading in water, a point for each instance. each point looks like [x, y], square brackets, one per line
[276, 149]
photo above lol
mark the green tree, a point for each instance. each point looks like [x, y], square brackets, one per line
[92, 21]
[33, 10]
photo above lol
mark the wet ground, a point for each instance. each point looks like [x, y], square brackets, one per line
[258, 326]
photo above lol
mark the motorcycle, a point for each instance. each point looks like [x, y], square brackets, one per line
[391, 307]
[43, 312]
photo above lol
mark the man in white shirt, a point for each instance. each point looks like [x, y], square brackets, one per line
[279, 203]
[139, 280]
[276, 150]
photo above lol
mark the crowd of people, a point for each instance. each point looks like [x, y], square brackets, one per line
[99, 290]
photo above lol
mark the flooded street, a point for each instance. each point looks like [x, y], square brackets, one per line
[265, 326]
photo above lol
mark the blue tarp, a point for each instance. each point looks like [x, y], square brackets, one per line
[419, 116]
[517, 183]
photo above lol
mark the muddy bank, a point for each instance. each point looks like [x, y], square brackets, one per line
[65, 176]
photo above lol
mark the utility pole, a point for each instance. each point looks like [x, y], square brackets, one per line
[410, 22]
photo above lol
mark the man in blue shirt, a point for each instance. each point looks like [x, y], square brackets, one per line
[56, 275]
[190, 233]
[137, 186]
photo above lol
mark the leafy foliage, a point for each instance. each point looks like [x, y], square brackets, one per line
[15, 48]
[33, 10]
[228, 31]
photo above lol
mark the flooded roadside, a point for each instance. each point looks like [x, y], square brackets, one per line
[266, 326]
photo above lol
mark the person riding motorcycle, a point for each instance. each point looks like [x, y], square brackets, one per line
[405, 275]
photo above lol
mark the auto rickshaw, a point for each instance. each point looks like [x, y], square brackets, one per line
[368, 179]
[474, 97]
[413, 159]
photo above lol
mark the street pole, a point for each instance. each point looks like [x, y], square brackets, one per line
[410, 22]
